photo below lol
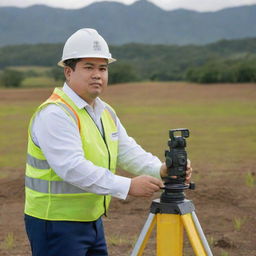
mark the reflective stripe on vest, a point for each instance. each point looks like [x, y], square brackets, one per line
[53, 187]
[69, 111]
[37, 163]
[55, 96]
[112, 114]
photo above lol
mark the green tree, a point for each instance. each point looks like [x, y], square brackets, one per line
[122, 73]
[209, 75]
[193, 75]
[246, 73]
[11, 78]
[56, 73]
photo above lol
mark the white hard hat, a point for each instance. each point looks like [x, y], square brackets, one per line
[85, 43]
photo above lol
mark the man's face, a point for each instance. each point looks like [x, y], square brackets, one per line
[89, 79]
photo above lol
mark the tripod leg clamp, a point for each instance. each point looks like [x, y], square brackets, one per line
[180, 208]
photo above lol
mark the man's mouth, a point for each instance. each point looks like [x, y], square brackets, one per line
[95, 84]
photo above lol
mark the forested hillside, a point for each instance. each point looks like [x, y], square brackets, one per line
[223, 61]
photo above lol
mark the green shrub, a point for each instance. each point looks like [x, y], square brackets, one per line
[56, 73]
[240, 71]
[122, 73]
[11, 78]
[246, 73]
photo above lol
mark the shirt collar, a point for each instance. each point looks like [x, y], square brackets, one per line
[81, 103]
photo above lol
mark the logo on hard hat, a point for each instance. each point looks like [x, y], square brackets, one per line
[96, 46]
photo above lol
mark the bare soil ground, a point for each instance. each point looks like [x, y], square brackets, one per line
[219, 199]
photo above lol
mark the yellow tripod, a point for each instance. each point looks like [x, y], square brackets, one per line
[171, 219]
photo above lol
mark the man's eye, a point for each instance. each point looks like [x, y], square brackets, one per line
[88, 67]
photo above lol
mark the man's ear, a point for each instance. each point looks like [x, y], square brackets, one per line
[67, 72]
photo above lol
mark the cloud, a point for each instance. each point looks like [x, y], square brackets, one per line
[203, 5]
[199, 5]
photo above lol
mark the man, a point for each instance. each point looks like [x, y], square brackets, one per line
[75, 143]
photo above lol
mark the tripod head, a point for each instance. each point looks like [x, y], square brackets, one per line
[176, 162]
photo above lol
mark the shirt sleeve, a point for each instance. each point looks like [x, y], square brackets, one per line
[133, 158]
[59, 139]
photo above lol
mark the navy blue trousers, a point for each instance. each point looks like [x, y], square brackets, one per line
[65, 238]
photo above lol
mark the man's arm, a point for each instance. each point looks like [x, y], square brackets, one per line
[133, 158]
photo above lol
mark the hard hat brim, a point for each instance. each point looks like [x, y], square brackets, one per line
[110, 60]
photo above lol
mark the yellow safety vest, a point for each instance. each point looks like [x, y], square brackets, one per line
[47, 195]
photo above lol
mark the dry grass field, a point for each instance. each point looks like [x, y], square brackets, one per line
[222, 148]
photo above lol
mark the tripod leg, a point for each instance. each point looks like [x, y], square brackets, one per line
[169, 235]
[144, 235]
[196, 235]
[201, 234]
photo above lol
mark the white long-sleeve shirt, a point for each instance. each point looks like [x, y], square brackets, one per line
[59, 139]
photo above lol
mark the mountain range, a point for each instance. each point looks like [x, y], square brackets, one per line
[140, 22]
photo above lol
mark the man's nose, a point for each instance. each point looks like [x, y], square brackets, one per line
[96, 74]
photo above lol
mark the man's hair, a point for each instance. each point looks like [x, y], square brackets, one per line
[71, 63]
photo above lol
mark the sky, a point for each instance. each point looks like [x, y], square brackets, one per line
[197, 5]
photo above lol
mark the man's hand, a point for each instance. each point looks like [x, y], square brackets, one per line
[144, 186]
[164, 173]
[163, 170]
[188, 171]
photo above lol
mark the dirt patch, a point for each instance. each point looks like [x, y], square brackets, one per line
[24, 94]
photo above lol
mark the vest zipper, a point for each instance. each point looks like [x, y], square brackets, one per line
[109, 164]
[109, 158]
